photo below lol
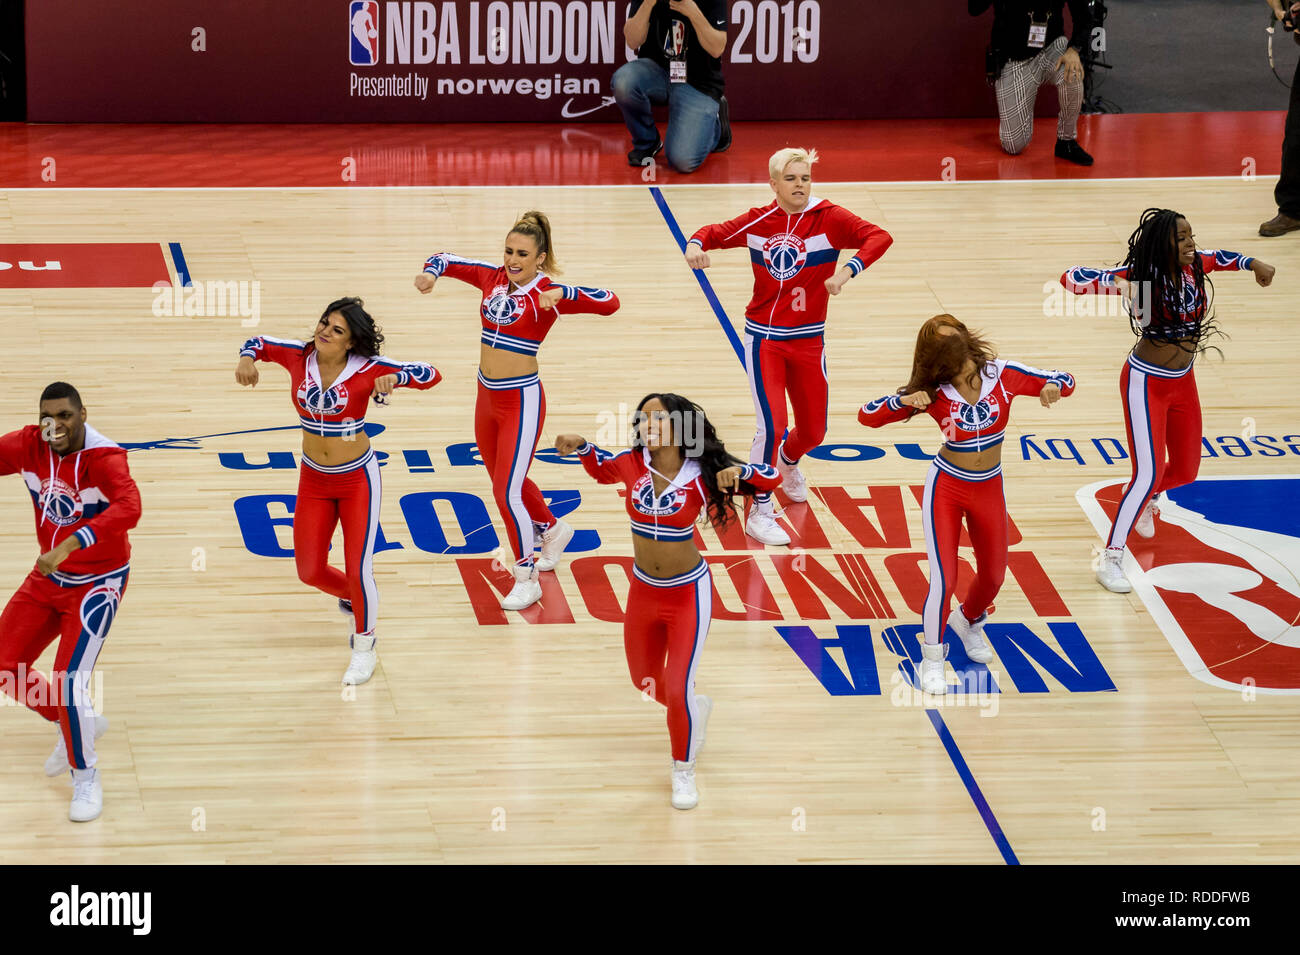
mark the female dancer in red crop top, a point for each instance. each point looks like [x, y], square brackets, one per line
[676, 470]
[520, 304]
[1168, 298]
[959, 383]
[332, 379]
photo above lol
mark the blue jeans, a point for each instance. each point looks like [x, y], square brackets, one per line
[693, 126]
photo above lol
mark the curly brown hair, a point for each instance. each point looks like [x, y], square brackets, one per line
[941, 355]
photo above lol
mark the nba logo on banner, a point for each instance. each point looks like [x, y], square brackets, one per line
[1220, 576]
[363, 26]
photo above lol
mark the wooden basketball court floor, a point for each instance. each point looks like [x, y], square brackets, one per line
[232, 740]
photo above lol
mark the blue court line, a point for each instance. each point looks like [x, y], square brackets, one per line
[972, 787]
[182, 270]
[168, 444]
[700, 277]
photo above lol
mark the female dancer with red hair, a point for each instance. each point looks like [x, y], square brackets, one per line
[957, 381]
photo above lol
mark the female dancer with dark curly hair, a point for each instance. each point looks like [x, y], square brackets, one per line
[332, 379]
[520, 304]
[676, 469]
[957, 381]
[1168, 297]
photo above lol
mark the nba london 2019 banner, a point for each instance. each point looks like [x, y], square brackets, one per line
[479, 60]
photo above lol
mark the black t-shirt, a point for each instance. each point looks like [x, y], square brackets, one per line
[1011, 19]
[704, 72]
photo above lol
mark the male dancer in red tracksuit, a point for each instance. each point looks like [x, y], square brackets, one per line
[85, 502]
[794, 244]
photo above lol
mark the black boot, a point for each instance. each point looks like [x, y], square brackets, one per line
[1069, 149]
[724, 134]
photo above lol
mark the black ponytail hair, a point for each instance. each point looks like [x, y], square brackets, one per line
[695, 435]
[1154, 269]
[367, 339]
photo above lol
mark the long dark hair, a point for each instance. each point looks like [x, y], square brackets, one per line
[1153, 268]
[695, 435]
[367, 339]
[940, 358]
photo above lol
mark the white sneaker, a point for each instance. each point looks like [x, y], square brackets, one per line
[1145, 526]
[762, 526]
[685, 795]
[931, 676]
[87, 795]
[1110, 573]
[364, 657]
[792, 481]
[554, 540]
[705, 706]
[972, 635]
[58, 761]
[526, 591]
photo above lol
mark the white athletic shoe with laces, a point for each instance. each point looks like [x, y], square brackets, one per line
[792, 481]
[1145, 526]
[364, 657]
[58, 760]
[762, 526]
[685, 796]
[87, 795]
[1110, 572]
[972, 635]
[526, 591]
[554, 539]
[931, 676]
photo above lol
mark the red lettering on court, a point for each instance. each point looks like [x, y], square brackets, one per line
[592, 576]
[755, 596]
[804, 576]
[82, 265]
[1033, 580]
[486, 586]
[885, 500]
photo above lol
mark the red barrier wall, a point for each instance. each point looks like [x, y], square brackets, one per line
[292, 61]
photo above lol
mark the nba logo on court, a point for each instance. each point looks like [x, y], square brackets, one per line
[1220, 576]
[363, 24]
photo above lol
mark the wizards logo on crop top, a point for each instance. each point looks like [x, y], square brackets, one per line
[1221, 576]
[784, 255]
[647, 502]
[977, 417]
[312, 399]
[60, 503]
[502, 308]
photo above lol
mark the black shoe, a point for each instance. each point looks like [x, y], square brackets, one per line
[637, 157]
[1069, 149]
[724, 135]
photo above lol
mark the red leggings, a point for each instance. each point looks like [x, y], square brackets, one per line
[796, 367]
[978, 497]
[663, 635]
[1162, 415]
[349, 494]
[508, 420]
[78, 611]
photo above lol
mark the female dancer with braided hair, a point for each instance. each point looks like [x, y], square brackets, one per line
[676, 470]
[332, 379]
[1168, 298]
[958, 382]
[520, 304]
